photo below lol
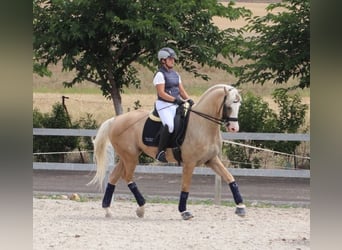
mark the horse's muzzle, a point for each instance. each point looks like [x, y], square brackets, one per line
[232, 127]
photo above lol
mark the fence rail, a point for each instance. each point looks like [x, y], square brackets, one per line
[225, 135]
[175, 169]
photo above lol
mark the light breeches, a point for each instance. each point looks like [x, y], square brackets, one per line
[167, 112]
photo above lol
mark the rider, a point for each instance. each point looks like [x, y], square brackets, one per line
[171, 94]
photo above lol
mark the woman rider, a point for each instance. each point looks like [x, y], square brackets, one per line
[171, 93]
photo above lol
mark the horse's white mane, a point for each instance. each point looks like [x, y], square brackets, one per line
[216, 86]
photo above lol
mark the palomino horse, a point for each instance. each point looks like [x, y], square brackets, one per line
[202, 145]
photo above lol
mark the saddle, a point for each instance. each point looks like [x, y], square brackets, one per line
[153, 125]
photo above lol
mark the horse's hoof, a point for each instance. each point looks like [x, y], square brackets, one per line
[240, 210]
[140, 211]
[186, 215]
[108, 213]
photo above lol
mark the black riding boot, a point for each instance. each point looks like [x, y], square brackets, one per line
[163, 142]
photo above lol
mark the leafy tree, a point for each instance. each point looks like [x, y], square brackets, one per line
[101, 40]
[279, 47]
[87, 122]
[58, 118]
[290, 118]
[255, 115]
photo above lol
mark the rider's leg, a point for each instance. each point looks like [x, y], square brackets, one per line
[166, 113]
[165, 136]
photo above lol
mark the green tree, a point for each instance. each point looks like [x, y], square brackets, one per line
[58, 118]
[290, 119]
[279, 47]
[87, 122]
[102, 39]
[255, 115]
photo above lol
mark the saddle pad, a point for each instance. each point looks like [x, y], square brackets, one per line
[150, 135]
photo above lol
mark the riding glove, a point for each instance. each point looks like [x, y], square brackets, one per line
[191, 102]
[178, 101]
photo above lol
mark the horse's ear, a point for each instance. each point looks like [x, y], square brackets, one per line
[226, 90]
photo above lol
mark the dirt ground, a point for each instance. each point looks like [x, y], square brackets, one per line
[67, 224]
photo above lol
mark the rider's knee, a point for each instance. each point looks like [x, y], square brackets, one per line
[170, 127]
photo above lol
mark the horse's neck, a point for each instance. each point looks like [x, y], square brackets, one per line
[210, 103]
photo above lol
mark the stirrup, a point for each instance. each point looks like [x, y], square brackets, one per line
[161, 156]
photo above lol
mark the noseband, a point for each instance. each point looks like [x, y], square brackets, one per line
[225, 118]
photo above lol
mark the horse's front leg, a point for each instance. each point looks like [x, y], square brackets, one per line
[219, 168]
[186, 182]
[128, 177]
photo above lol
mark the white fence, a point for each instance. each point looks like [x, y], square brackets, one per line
[291, 173]
[175, 169]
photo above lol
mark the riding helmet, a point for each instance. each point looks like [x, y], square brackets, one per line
[165, 53]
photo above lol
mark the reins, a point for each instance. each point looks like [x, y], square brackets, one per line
[220, 121]
[209, 117]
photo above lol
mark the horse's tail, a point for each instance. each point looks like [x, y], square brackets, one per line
[100, 152]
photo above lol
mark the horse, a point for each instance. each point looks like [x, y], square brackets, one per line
[218, 106]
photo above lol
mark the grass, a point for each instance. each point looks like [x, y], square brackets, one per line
[195, 86]
[87, 97]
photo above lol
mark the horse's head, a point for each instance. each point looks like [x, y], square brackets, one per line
[224, 111]
[231, 105]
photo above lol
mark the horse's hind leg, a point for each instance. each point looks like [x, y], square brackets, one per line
[219, 168]
[139, 198]
[128, 176]
[113, 179]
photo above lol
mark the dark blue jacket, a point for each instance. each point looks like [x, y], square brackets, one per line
[171, 82]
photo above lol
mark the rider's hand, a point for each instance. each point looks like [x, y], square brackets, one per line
[191, 102]
[178, 101]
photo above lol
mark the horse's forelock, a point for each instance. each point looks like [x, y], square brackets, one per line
[232, 93]
[235, 95]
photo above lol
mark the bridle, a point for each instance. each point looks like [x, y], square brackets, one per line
[225, 118]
